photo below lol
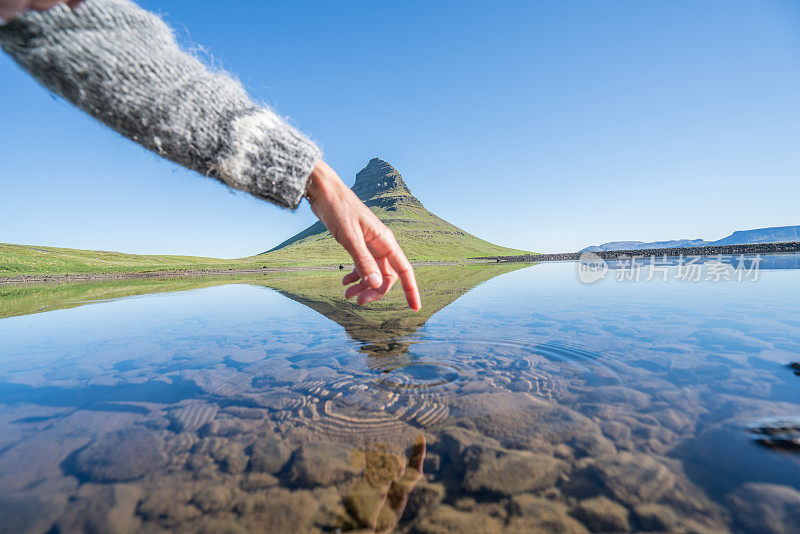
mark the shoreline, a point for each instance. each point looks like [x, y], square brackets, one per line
[725, 250]
[714, 250]
[83, 277]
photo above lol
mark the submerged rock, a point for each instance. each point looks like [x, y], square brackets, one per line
[321, 464]
[258, 482]
[766, 507]
[619, 395]
[445, 519]
[535, 514]
[102, 508]
[213, 498]
[231, 458]
[167, 506]
[280, 510]
[455, 440]
[269, 454]
[509, 472]
[634, 478]
[120, 456]
[601, 514]
[424, 497]
[516, 419]
[655, 517]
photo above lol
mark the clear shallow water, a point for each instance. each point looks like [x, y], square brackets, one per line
[518, 399]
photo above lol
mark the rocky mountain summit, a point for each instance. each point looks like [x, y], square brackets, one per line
[422, 234]
[380, 185]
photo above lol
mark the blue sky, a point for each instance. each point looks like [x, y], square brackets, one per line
[545, 125]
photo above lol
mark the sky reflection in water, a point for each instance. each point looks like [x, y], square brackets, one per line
[518, 399]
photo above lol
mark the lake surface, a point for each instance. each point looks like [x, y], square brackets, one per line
[519, 399]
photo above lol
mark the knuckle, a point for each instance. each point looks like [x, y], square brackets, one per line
[379, 232]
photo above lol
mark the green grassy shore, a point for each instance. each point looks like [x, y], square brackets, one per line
[19, 261]
[16, 260]
[29, 260]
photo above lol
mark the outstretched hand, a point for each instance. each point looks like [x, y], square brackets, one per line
[379, 261]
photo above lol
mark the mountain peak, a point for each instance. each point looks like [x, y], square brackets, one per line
[422, 234]
[381, 185]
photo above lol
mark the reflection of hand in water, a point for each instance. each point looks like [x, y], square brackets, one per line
[378, 500]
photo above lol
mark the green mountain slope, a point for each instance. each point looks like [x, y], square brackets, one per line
[421, 234]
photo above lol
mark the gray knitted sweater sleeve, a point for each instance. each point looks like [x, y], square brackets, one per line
[122, 65]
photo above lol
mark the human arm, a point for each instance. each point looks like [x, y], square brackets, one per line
[122, 65]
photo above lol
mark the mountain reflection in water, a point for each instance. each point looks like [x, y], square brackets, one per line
[534, 403]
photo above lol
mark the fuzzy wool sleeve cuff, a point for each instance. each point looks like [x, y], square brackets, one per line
[123, 66]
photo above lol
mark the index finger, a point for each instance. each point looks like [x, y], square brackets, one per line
[405, 271]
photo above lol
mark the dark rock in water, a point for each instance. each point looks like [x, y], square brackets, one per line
[766, 507]
[424, 497]
[781, 432]
[433, 463]
[655, 517]
[269, 455]
[120, 456]
[795, 366]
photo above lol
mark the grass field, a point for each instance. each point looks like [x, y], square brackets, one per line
[18, 260]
